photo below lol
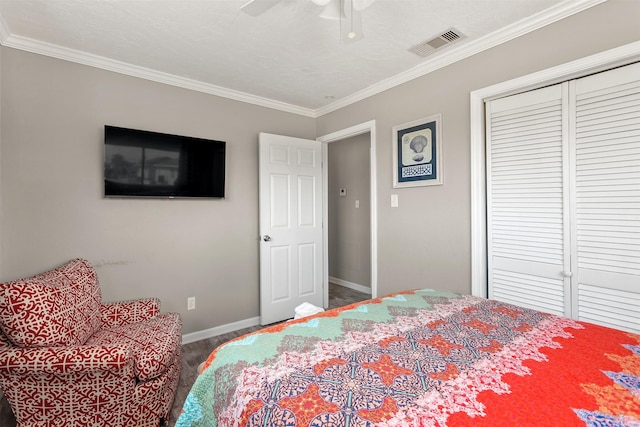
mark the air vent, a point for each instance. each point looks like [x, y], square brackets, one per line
[444, 39]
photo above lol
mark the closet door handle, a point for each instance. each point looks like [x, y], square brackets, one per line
[266, 238]
[568, 274]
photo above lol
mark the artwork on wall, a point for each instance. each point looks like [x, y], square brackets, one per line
[417, 153]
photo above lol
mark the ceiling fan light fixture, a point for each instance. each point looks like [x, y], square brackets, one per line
[350, 22]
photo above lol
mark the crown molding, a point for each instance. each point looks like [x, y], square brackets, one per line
[4, 30]
[436, 62]
[454, 54]
[55, 51]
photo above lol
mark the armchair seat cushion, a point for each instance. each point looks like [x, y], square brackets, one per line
[58, 308]
[153, 342]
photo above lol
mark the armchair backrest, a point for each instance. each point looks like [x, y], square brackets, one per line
[60, 307]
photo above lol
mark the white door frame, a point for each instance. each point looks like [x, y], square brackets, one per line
[366, 127]
[599, 62]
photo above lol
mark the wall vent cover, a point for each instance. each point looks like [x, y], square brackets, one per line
[444, 39]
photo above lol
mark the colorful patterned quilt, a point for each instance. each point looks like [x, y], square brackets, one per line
[422, 358]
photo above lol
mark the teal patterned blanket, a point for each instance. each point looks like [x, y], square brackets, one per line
[422, 358]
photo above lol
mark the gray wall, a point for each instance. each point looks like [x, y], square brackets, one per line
[350, 227]
[425, 242]
[51, 180]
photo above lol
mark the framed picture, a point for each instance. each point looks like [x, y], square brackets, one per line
[417, 153]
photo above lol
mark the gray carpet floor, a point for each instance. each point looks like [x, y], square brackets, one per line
[197, 352]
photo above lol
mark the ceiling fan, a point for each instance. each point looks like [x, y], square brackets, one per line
[346, 11]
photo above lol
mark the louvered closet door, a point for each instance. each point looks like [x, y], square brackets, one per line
[526, 192]
[606, 172]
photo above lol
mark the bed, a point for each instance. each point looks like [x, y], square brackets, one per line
[422, 358]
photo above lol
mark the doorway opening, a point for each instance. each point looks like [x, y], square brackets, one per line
[361, 133]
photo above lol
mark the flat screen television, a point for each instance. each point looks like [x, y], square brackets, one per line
[139, 163]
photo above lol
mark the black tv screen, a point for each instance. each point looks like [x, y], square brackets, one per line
[140, 163]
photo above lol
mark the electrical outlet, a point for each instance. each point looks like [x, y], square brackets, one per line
[191, 303]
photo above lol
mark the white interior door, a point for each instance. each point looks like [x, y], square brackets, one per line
[291, 236]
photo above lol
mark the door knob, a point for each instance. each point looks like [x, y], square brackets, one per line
[266, 238]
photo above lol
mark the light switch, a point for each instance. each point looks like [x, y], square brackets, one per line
[357, 204]
[394, 200]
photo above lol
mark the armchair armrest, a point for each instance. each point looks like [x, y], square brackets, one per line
[66, 360]
[123, 312]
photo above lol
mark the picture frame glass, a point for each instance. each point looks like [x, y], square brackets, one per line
[417, 153]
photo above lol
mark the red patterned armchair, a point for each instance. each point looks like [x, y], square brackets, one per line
[67, 359]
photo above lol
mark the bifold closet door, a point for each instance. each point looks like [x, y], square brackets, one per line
[563, 198]
[606, 175]
[528, 262]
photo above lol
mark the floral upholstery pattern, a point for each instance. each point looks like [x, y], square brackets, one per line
[120, 313]
[4, 341]
[59, 307]
[152, 342]
[124, 373]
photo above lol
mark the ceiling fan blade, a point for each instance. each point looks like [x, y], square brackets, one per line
[258, 7]
[361, 5]
[331, 10]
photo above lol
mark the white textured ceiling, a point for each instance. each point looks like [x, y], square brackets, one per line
[288, 56]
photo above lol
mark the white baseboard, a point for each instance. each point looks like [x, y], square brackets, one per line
[350, 285]
[255, 321]
[219, 330]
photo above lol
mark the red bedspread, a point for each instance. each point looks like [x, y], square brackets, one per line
[422, 358]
